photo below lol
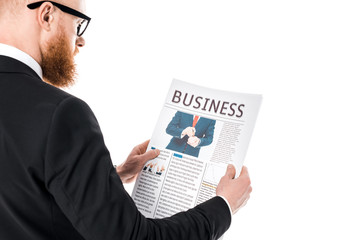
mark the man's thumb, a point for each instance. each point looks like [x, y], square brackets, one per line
[230, 171]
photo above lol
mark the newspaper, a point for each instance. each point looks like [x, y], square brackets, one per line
[199, 132]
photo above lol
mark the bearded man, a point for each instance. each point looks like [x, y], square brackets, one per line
[57, 180]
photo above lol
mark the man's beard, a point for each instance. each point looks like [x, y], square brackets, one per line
[58, 65]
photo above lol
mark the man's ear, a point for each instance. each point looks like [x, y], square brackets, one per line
[46, 15]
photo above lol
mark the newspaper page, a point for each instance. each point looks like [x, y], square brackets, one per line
[199, 132]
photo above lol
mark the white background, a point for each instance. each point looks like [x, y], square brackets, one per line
[303, 56]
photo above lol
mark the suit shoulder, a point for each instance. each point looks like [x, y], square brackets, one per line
[74, 105]
[33, 88]
[73, 111]
[56, 96]
[43, 97]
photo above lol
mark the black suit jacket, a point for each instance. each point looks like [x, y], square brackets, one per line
[57, 180]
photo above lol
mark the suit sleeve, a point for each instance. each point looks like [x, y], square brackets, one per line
[208, 136]
[80, 176]
[173, 127]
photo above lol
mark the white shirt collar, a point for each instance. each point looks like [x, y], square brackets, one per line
[10, 51]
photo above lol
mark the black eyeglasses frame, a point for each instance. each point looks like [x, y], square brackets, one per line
[65, 9]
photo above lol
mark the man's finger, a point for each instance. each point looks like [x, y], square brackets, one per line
[230, 171]
[143, 146]
[244, 171]
[151, 154]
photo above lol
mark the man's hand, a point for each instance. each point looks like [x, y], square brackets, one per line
[236, 191]
[190, 131]
[193, 141]
[135, 162]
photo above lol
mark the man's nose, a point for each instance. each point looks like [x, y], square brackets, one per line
[80, 42]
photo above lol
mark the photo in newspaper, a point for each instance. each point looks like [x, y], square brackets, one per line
[199, 132]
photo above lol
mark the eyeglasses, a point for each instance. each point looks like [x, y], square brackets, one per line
[80, 28]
